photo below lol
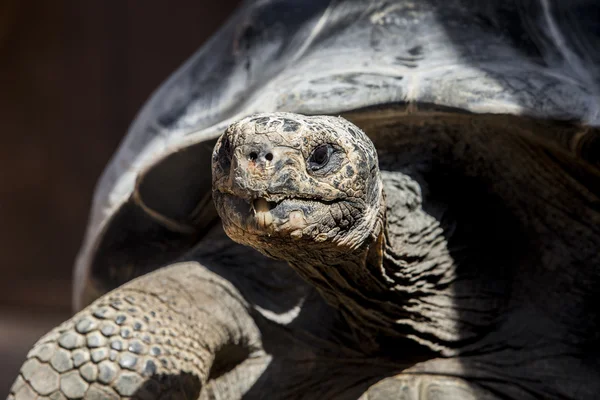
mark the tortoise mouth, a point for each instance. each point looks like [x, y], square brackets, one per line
[269, 215]
[261, 204]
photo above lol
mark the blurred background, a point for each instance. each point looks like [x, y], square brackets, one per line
[73, 74]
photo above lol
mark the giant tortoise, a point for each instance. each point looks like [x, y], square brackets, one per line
[422, 180]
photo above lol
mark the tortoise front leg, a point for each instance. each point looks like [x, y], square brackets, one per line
[154, 337]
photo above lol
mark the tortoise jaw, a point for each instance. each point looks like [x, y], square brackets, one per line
[265, 216]
[249, 213]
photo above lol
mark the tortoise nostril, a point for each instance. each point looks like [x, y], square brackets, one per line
[260, 155]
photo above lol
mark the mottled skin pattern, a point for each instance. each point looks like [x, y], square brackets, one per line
[335, 227]
[321, 218]
[330, 223]
[267, 156]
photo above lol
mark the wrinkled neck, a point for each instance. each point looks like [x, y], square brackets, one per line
[346, 282]
[444, 262]
[420, 277]
[355, 283]
[340, 274]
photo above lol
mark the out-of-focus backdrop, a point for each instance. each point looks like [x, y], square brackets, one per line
[73, 74]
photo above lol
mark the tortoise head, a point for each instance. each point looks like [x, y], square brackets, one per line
[288, 184]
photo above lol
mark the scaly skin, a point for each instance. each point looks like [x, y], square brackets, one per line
[155, 337]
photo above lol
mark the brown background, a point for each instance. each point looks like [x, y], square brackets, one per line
[72, 76]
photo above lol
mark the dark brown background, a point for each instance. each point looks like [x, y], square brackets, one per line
[72, 76]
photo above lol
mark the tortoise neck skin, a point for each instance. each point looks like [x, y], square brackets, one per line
[399, 285]
[308, 190]
[353, 282]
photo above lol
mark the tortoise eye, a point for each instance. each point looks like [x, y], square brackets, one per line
[325, 159]
[319, 157]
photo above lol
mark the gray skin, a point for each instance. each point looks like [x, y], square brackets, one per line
[474, 278]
